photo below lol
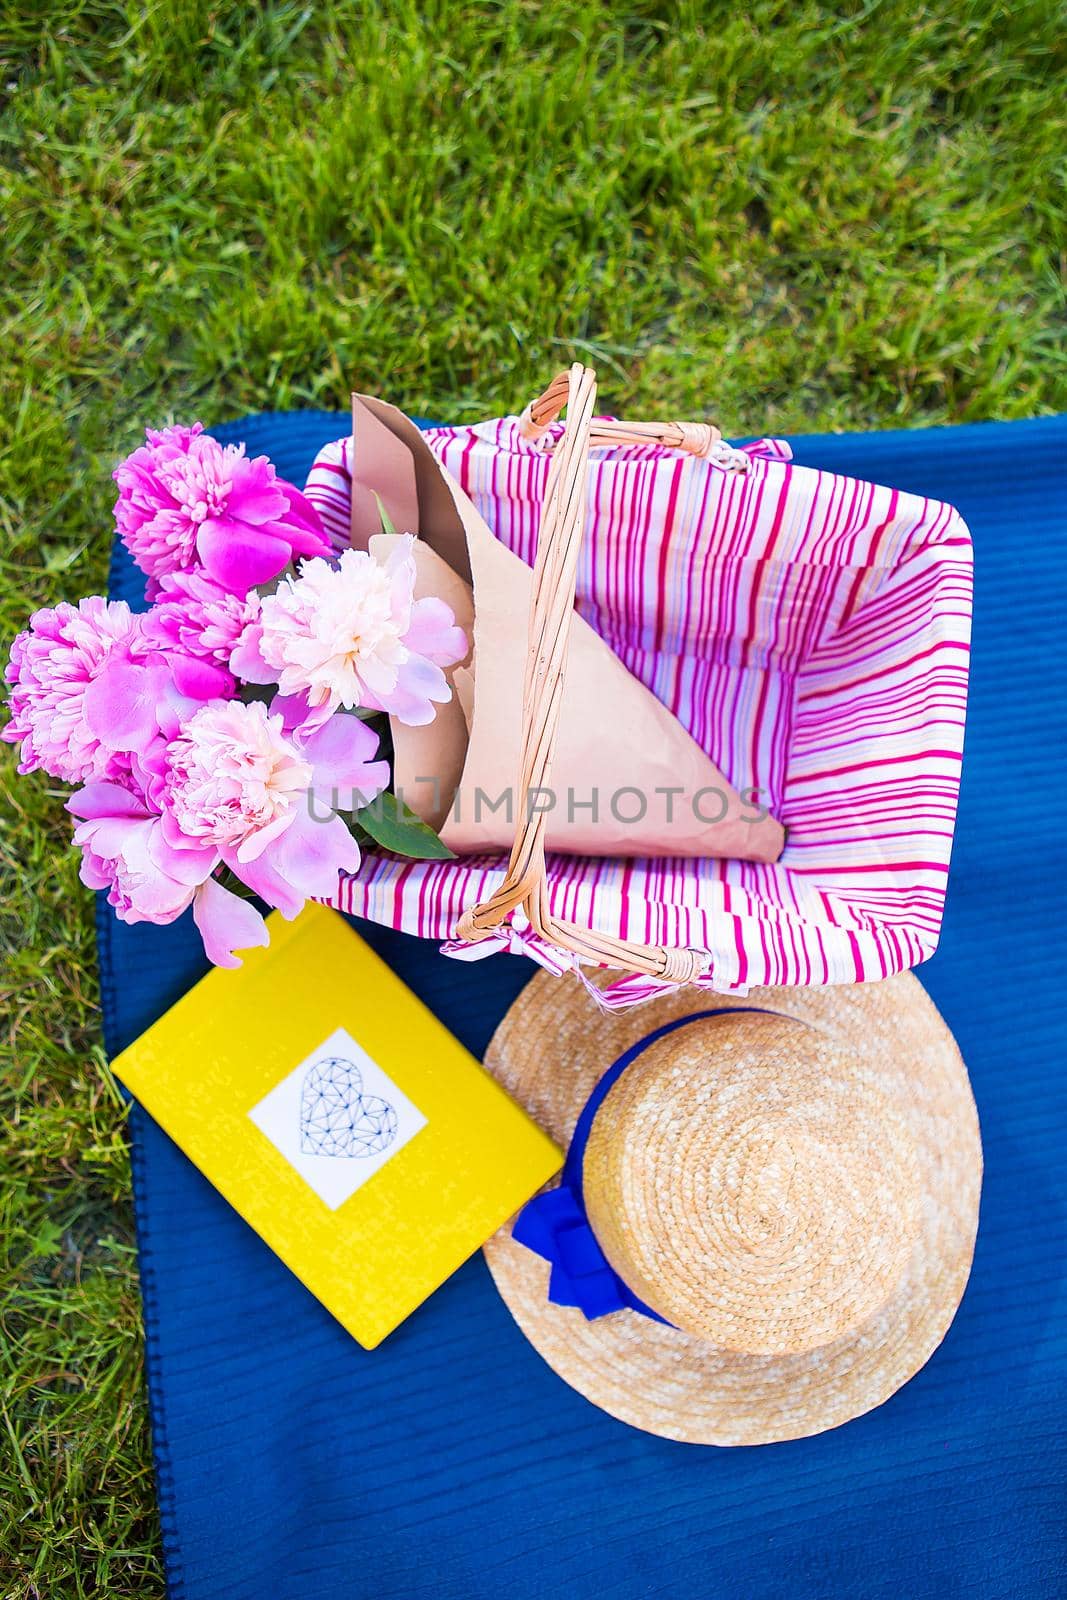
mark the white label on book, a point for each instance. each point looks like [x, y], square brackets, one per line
[337, 1118]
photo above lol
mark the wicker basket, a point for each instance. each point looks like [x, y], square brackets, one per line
[811, 632]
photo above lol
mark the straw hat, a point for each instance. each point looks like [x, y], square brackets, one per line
[782, 1195]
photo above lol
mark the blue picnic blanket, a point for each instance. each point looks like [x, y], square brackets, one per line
[451, 1462]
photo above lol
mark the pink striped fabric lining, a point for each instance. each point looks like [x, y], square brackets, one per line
[811, 632]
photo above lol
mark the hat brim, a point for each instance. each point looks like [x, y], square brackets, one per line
[549, 1052]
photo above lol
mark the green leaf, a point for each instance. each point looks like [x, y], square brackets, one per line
[48, 1238]
[387, 521]
[228, 879]
[257, 691]
[395, 827]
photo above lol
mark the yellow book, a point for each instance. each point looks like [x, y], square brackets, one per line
[361, 1140]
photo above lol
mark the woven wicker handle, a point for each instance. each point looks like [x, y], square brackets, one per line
[555, 569]
[697, 438]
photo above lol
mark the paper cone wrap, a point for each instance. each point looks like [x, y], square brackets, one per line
[626, 778]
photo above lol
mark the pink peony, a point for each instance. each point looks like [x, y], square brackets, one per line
[196, 615]
[186, 501]
[90, 693]
[135, 704]
[353, 635]
[234, 779]
[51, 665]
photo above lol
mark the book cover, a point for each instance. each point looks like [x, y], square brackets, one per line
[368, 1148]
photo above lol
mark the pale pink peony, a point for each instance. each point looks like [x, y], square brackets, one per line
[233, 778]
[268, 802]
[124, 851]
[187, 501]
[146, 880]
[226, 923]
[353, 635]
[230, 789]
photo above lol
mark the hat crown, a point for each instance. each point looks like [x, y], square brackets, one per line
[749, 1179]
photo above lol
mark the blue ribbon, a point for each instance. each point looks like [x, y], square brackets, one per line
[555, 1225]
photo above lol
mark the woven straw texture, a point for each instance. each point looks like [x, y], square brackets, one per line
[797, 1194]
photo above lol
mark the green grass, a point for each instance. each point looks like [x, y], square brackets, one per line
[784, 216]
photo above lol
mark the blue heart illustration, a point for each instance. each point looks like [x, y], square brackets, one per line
[337, 1118]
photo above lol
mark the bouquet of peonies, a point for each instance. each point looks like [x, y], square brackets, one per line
[226, 741]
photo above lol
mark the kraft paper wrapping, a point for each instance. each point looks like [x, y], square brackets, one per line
[626, 778]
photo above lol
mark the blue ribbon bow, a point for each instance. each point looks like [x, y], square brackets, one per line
[555, 1224]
